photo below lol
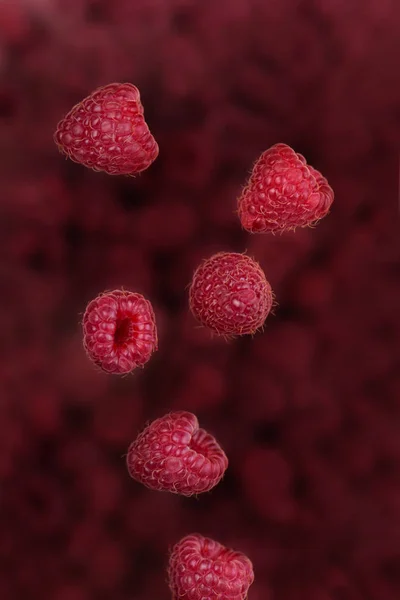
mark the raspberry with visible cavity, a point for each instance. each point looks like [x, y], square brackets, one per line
[230, 294]
[107, 132]
[119, 331]
[173, 454]
[283, 193]
[201, 568]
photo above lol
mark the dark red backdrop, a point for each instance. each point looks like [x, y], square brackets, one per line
[309, 411]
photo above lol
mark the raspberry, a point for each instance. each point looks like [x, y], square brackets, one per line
[119, 331]
[230, 294]
[283, 193]
[203, 569]
[173, 454]
[107, 132]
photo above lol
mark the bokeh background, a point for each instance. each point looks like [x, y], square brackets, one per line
[308, 411]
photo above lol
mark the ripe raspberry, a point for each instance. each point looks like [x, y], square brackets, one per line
[119, 331]
[283, 193]
[173, 454]
[107, 132]
[202, 569]
[230, 294]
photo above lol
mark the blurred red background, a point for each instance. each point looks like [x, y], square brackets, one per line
[309, 411]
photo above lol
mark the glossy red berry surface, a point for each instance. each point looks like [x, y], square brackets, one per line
[173, 454]
[119, 331]
[107, 132]
[283, 193]
[230, 294]
[201, 568]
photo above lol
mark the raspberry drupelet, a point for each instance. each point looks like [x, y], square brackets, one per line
[173, 454]
[201, 568]
[230, 294]
[119, 331]
[107, 132]
[283, 193]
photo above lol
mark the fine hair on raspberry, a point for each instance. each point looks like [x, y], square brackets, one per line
[201, 568]
[107, 131]
[174, 454]
[119, 331]
[283, 192]
[230, 294]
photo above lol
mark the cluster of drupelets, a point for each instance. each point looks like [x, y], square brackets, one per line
[229, 294]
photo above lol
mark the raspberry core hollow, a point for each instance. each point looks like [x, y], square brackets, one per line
[119, 331]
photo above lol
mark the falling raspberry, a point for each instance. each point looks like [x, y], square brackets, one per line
[119, 331]
[173, 454]
[283, 193]
[230, 294]
[201, 568]
[107, 132]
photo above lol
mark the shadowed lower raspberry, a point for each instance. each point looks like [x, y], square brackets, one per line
[201, 568]
[119, 331]
[173, 454]
[283, 193]
[230, 294]
[107, 132]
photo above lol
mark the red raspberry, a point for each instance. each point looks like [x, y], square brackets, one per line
[202, 569]
[119, 331]
[173, 454]
[283, 193]
[230, 294]
[107, 132]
